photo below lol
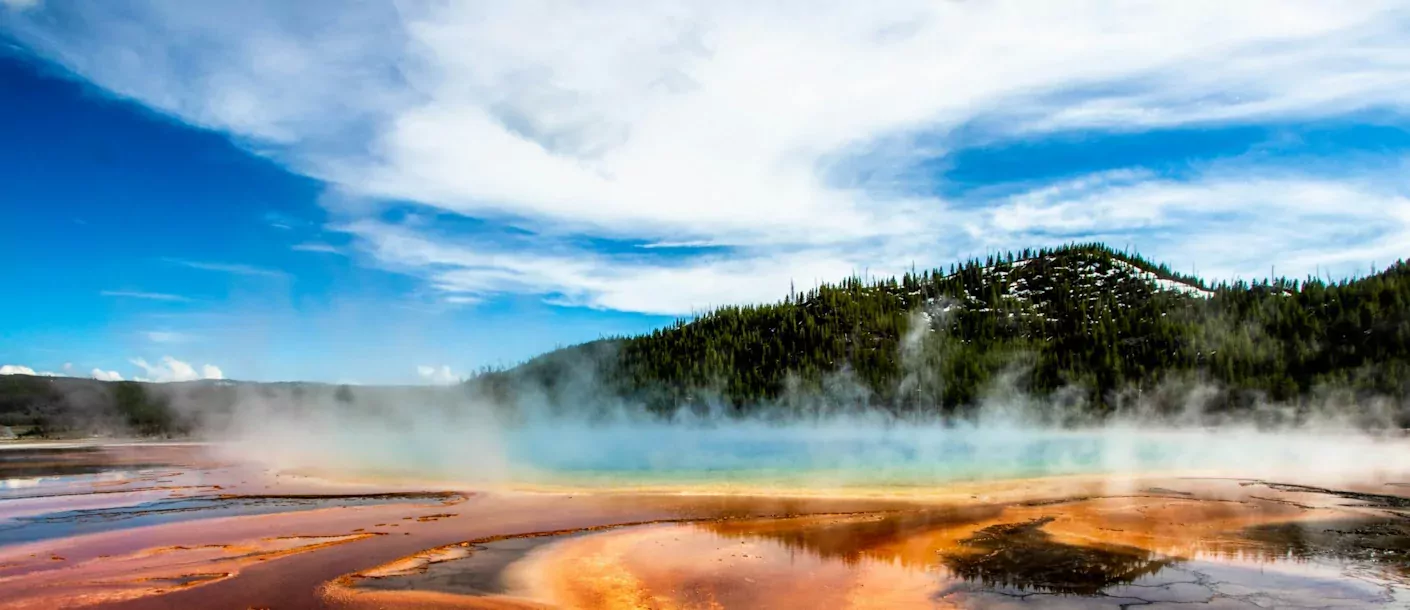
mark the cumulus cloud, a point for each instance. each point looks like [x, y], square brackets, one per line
[791, 137]
[169, 369]
[102, 375]
[441, 375]
[16, 369]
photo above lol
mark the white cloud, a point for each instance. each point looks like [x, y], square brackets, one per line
[233, 268]
[587, 279]
[437, 375]
[170, 369]
[102, 375]
[1226, 223]
[788, 131]
[1223, 223]
[316, 247]
[151, 296]
[165, 336]
[16, 369]
[20, 5]
[282, 222]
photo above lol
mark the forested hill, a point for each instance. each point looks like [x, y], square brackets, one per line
[1097, 324]
[1083, 324]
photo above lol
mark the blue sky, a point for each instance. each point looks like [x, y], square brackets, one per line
[405, 193]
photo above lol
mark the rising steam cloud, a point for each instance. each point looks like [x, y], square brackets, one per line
[454, 434]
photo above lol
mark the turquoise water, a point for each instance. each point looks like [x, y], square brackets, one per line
[871, 455]
[830, 454]
[662, 455]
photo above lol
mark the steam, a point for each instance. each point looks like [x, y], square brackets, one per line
[817, 440]
[569, 428]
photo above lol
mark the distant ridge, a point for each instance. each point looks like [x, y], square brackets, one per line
[1080, 317]
[1097, 327]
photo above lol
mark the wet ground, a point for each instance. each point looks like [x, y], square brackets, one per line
[1185, 551]
[21, 462]
[166, 526]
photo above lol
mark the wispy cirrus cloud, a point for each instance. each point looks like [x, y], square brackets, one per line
[463, 299]
[19, 5]
[317, 247]
[579, 278]
[233, 268]
[1226, 223]
[167, 336]
[150, 296]
[798, 140]
[280, 221]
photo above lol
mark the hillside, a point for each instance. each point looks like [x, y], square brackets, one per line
[1085, 324]
[1097, 324]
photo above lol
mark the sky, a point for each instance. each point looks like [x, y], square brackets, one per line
[406, 192]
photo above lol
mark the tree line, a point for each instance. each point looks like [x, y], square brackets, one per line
[1081, 318]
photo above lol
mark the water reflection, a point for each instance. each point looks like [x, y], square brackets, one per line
[1023, 556]
[1381, 542]
[1017, 555]
[853, 538]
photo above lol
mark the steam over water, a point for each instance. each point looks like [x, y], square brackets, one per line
[861, 455]
[837, 453]
[844, 454]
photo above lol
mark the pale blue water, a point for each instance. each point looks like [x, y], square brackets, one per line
[840, 455]
[833, 453]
